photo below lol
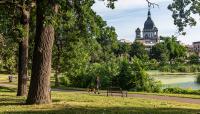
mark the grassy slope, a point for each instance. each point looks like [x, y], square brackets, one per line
[69, 102]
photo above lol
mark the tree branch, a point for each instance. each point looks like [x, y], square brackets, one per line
[151, 4]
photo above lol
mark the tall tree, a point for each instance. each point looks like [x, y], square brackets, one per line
[159, 52]
[23, 49]
[39, 91]
[20, 15]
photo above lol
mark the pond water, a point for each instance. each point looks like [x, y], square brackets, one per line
[186, 81]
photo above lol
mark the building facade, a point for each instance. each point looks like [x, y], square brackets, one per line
[149, 35]
[196, 47]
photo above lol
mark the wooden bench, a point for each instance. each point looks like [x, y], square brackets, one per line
[119, 90]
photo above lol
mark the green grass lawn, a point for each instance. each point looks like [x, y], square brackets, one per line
[168, 94]
[78, 103]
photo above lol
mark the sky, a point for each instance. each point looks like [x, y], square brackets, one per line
[131, 14]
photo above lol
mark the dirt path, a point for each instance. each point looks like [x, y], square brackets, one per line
[8, 85]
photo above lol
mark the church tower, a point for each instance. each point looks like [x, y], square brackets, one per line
[138, 33]
[150, 31]
[149, 35]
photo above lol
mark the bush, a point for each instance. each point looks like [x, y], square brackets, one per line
[180, 68]
[198, 79]
[133, 76]
[153, 64]
[64, 81]
[181, 91]
[183, 69]
[165, 68]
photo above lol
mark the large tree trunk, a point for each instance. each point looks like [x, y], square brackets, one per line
[23, 56]
[39, 91]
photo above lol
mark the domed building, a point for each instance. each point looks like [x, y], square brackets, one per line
[149, 35]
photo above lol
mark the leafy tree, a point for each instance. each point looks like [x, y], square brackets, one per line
[84, 42]
[8, 56]
[20, 14]
[108, 41]
[183, 11]
[132, 75]
[194, 59]
[160, 53]
[175, 50]
[41, 64]
[138, 50]
[123, 49]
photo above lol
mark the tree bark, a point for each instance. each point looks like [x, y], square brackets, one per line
[39, 91]
[23, 56]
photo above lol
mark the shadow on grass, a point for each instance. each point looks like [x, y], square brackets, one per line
[7, 89]
[112, 110]
[9, 101]
[16, 101]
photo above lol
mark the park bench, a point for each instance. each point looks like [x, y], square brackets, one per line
[114, 90]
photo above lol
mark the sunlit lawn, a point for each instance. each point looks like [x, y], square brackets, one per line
[4, 79]
[77, 103]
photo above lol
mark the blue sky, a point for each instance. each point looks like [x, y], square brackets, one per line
[130, 14]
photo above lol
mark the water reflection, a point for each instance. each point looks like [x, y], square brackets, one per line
[177, 80]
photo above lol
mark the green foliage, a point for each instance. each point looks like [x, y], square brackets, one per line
[180, 68]
[138, 50]
[160, 53]
[183, 11]
[181, 91]
[165, 68]
[106, 71]
[198, 79]
[194, 59]
[153, 64]
[169, 52]
[8, 56]
[123, 49]
[64, 81]
[133, 76]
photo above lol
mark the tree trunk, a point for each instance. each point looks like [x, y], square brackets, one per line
[23, 56]
[39, 91]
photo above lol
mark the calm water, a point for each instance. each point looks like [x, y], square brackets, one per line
[187, 81]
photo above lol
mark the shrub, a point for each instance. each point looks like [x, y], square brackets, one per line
[166, 68]
[198, 79]
[181, 91]
[140, 80]
[183, 69]
[64, 81]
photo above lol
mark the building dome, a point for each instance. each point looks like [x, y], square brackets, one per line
[149, 24]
